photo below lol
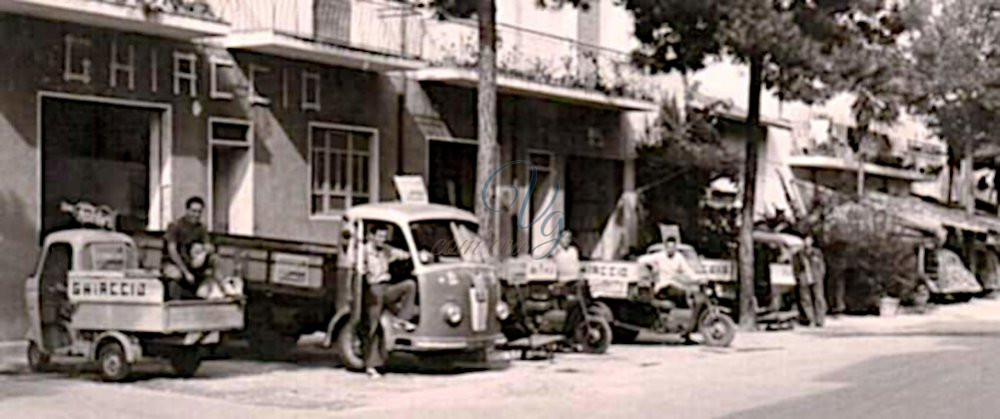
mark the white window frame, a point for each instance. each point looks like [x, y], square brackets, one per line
[252, 72]
[191, 77]
[215, 64]
[373, 168]
[306, 77]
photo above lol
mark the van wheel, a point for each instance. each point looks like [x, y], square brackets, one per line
[350, 347]
[113, 363]
[38, 361]
[185, 363]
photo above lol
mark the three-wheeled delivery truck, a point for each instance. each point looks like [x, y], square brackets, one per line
[89, 299]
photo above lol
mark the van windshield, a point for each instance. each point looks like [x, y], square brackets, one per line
[448, 241]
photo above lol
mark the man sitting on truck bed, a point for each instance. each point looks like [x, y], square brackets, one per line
[179, 267]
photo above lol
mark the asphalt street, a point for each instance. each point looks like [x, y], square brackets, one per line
[943, 364]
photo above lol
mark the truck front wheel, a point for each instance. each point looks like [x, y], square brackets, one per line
[112, 362]
[350, 348]
[37, 360]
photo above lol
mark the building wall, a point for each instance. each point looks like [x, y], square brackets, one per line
[33, 61]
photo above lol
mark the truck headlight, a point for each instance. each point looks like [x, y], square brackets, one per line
[503, 310]
[452, 313]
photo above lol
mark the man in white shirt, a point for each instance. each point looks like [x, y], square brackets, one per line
[567, 259]
[670, 268]
[676, 280]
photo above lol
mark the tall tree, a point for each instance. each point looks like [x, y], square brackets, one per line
[801, 49]
[955, 77]
[488, 157]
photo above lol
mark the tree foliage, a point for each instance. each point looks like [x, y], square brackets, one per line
[810, 50]
[955, 76]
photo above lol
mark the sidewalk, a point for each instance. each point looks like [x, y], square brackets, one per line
[978, 316]
[13, 355]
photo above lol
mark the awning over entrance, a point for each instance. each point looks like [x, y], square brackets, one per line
[299, 48]
[130, 16]
[836, 163]
[515, 86]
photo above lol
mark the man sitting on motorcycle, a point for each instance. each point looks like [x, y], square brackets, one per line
[674, 279]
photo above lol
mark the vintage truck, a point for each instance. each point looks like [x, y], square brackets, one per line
[297, 288]
[89, 299]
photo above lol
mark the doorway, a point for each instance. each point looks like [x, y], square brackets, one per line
[592, 190]
[452, 172]
[230, 176]
[102, 151]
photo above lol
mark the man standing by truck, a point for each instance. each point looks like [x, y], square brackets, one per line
[383, 292]
[184, 271]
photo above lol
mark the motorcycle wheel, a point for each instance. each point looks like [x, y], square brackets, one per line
[717, 329]
[592, 335]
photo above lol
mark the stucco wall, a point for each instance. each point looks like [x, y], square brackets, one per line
[33, 61]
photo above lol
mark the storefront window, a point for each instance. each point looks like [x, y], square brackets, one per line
[341, 163]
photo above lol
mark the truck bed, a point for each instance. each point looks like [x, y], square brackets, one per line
[166, 317]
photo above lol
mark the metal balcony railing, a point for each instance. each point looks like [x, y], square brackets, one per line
[396, 28]
[200, 9]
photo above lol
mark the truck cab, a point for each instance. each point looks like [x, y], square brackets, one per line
[458, 294]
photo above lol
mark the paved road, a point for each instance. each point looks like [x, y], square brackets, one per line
[943, 364]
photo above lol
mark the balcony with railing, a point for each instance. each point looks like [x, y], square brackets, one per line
[387, 35]
[841, 149]
[180, 19]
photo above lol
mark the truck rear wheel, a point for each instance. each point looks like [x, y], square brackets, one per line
[185, 363]
[112, 362]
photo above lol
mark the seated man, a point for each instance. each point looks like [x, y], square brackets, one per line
[383, 292]
[675, 278]
[188, 258]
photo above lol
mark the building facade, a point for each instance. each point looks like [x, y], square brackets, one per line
[281, 114]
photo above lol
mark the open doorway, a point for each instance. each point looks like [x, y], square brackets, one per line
[592, 190]
[101, 151]
[452, 172]
[231, 176]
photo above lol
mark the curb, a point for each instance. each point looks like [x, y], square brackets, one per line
[12, 351]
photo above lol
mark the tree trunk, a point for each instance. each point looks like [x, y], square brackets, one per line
[968, 179]
[487, 161]
[747, 314]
